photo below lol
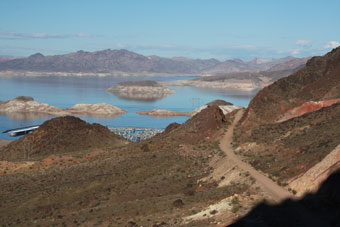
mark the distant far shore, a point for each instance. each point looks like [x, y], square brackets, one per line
[80, 74]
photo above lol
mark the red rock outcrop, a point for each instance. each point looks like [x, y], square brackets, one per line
[307, 107]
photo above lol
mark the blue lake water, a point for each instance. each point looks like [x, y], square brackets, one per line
[65, 92]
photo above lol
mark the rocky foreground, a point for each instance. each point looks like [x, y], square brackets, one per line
[141, 90]
[27, 105]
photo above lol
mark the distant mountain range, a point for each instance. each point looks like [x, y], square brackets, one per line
[124, 61]
[7, 58]
[257, 64]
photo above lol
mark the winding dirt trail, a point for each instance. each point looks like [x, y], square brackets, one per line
[297, 211]
[278, 193]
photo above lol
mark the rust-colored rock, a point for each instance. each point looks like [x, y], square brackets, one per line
[307, 107]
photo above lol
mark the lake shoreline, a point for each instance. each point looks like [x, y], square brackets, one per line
[89, 74]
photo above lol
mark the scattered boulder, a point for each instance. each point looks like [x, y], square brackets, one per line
[131, 224]
[171, 127]
[178, 203]
[145, 147]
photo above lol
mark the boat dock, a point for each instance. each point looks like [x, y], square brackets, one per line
[21, 131]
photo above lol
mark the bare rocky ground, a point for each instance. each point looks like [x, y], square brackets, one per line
[4, 142]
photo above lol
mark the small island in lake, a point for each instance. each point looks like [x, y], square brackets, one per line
[25, 104]
[141, 90]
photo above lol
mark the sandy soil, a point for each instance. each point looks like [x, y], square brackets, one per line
[4, 142]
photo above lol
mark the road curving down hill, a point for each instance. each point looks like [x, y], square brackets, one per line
[278, 193]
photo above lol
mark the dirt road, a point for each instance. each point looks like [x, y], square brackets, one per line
[278, 193]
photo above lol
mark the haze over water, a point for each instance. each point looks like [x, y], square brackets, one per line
[65, 92]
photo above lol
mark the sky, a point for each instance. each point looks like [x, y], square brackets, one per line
[221, 29]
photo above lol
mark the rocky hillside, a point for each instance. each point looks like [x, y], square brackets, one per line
[295, 145]
[294, 123]
[61, 136]
[157, 182]
[318, 81]
[196, 130]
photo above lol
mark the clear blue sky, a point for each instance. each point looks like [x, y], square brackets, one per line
[220, 29]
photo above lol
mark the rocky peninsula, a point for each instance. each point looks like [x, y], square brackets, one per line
[226, 107]
[141, 90]
[27, 105]
[95, 109]
[164, 113]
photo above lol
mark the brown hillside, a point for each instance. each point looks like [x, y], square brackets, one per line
[290, 148]
[124, 186]
[293, 124]
[199, 130]
[62, 135]
[318, 81]
[203, 124]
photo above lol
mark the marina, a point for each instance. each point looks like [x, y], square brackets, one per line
[134, 134]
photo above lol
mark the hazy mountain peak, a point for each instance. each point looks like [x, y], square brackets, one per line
[36, 55]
